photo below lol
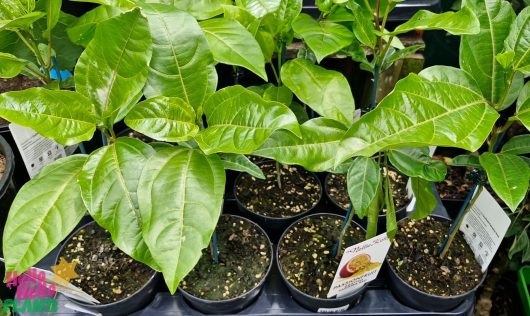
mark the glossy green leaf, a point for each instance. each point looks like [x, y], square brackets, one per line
[260, 8]
[520, 244]
[183, 214]
[122, 4]
[506, 59]
[517, 145]
[518, 41]
[508, 175]
[200, 9]
[280, 94]
[523, 106]
[11, 9]
[425, 199]
[109, 183]
[158, 146]
[53, 12]
[363, 25]
[300, 112]
[456, 23]
[163, 118]
[10, 65]
[416, 162]
[396, 55]
[44, 212]
[22, 22]
[287, 11]
[364, 180]
[327, 92]
[64, 116]
[465, 161]
[239, 14]
[373, 214]
[323, 37]
[82, 31]
[421, 112]
[239, 121]
[113, 69]
[315, 151]
[231, 43]
[241, 163]
[182, 64]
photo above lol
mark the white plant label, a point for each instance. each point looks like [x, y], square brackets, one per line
[484, 227]
[359, 264]
[36, 151]
[334, 309]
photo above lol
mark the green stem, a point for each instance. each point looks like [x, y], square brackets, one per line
[36, 73]
[279, 175]
[275, 73]
[343, 231]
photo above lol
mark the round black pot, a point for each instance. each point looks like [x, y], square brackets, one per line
[20, 175]
[236, 304]
[423, 301]
[273, 226]
[314, 304]
[126, 306]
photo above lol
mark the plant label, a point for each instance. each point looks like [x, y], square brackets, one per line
[359, 264]
[333, 310]
[36, 151]
[484, 227]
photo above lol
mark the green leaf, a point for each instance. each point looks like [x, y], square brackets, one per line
[456, 23]
[286, 13]
[300, 112]
[64, 116]
[158, 146]
[53, 12]
[280, 94]
[465, 161]
[200, 9]
[232, 44]
[341, 14]
[44, 212]
[241, 163]
[182, 64]
[239, 121]
[508, 175]
[421, 112]
[22, 22]
[163, 118]
[373, 214]
[364, 180]
[82, 31]
[109, 183]
[517, 145]
[400, 54]
[478, 52]
[12, 9]
[523, 106]
[327, 92]
[10, 65]
[323, 37]
[183, 214]
[506, 59]
[315, 151]
[113, 69]
[239, 14]
[520, 244]
[425, 199]
[122, 4]
[363, 25]
[518, 41]
[416, 162]
[260, 8]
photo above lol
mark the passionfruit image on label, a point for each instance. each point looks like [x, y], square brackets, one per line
[358, 265]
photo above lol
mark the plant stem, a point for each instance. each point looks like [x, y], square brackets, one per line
[214, 248]
[389, 199]
[279, 175]
[345, 226]
[375, 85]
[35, 52]
[37, 74]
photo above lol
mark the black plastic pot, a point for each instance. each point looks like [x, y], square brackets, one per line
[20, 175]
[273, 226]
[320, 305]
[236, 304]
[136, 301]
[423, 301]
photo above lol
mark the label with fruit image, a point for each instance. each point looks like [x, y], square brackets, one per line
[359, 264]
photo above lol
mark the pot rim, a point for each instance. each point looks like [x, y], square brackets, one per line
[101, 306]
[419, 292]
[236, 182]
[260, 284]
[291, 286]
[7, 152]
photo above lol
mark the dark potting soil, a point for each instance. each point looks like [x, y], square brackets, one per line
[244, 258]
[105, 272]
[336, 186]
[456, 184]
[16, 84]
[299, 193]
[413, 255]
[305, 253]
[3, 163]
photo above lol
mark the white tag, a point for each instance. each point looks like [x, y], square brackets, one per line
[432, 149]
[356, 115]
[359, 264]
[70, 149]
[484, 227]
[36, 151]
[334, 309]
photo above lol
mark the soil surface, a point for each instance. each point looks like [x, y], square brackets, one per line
[105, 272]
[3, 164]
[16, 84]
[299, 193]
[413, 255]
[244, 258]
[456, 184]
[305, 253]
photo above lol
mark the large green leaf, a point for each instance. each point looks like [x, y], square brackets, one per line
[11, 9]
[508, 175]
[286, 13]
[323, 37]
[517, 145]
[260, 8]
[22, 22]
[53, 12]
[180, 203]
[364, 180]
[315, 151]
[164, 118]
[280, 94]
[122, 4]
[523, 106]
[182, 64]
[478, 52]
[425, 199]
[327, 92]
[416, 162]
[64, 116]
[421, 112]
[200, 9]
[109, 183]
[113, 69]
[363, 25]
[231, 43]
[83, 30]
[239, 121]
[518, 41]
[10, 65]
[44, 212]
[456, 23]
[241, 163]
